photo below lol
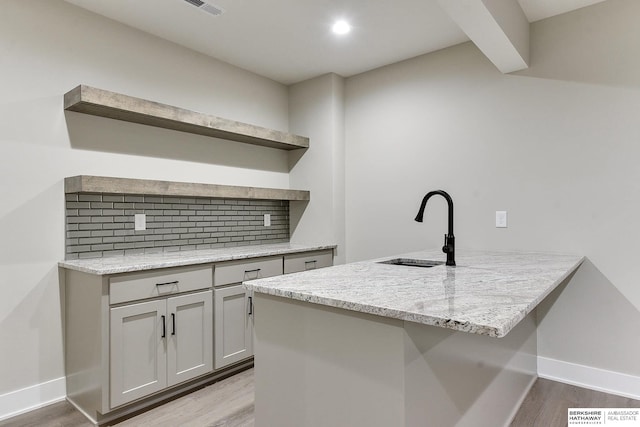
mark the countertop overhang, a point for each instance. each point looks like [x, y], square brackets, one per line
[131, 263]
[487, 293]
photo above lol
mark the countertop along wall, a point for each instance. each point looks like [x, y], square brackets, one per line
[555, 145]
[47, 47]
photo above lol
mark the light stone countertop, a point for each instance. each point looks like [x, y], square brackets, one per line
[487, 293]
[130, 263]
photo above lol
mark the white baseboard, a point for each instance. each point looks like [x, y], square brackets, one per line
[30, 398]
[587, 377]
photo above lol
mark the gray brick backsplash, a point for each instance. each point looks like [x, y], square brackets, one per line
[89, 197]
[78, 219]
[112, 253]
[90, 226]
[101, 233]
[101, 205]
[114, 226]
[123, 246]
[74, 249]
[103, 247]
[90, 254]
[112, 197]
[101, 225]
[133, 198]
[117, 239]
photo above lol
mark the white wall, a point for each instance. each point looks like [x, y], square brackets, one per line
[556, 146]
[316, 109]
[47, 47]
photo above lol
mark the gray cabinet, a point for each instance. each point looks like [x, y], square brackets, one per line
[138, 356]
[232, 272]
[135, 339]
[233, 325]
[233, 305]
[233, 321]
[158, 344]
[294, 263]
[189, 337]
[131, 337]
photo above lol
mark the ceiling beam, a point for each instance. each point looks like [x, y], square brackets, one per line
[499, 28]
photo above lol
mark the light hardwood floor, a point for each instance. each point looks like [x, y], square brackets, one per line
[229, 403]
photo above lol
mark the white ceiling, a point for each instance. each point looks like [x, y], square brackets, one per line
[290, 40]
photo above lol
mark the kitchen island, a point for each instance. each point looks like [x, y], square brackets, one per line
[373, 344]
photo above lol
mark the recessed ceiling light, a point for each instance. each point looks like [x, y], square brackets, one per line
[341, 27]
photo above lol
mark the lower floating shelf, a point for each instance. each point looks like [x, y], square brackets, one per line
[101, 184]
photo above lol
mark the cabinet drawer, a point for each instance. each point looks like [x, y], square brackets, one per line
[239, 271]
[307, 261]
[149, 284]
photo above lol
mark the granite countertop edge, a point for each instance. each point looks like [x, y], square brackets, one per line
[143, 262]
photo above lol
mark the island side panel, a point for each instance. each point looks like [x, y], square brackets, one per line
[463, 379]
[320, 366]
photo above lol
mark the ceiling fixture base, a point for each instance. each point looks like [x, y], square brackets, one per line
[206, 7]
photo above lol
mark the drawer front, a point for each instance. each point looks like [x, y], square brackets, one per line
[307, 261]
[238, 271]
[149, 284]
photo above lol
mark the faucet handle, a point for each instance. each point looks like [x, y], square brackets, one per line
[446, 248]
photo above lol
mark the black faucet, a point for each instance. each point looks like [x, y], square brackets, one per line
[449, 247]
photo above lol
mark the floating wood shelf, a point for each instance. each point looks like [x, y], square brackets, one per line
[101, 184]
[98, 102]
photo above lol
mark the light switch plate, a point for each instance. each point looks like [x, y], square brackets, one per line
[267, 220]
[501, 219]
[140, 221]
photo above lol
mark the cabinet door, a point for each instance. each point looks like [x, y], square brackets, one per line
[138, 355]
[233, 325]
[190, 336]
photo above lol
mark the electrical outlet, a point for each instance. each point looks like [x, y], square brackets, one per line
[267, 220]
[501, 219]
[140, 221]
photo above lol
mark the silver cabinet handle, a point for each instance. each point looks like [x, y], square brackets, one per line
[310, 265]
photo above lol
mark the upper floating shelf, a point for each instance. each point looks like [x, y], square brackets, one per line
[103, 184]
[99, 102]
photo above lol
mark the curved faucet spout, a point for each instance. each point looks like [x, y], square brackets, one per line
[449, 240]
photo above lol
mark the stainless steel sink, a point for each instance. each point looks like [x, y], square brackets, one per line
[408, 262]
